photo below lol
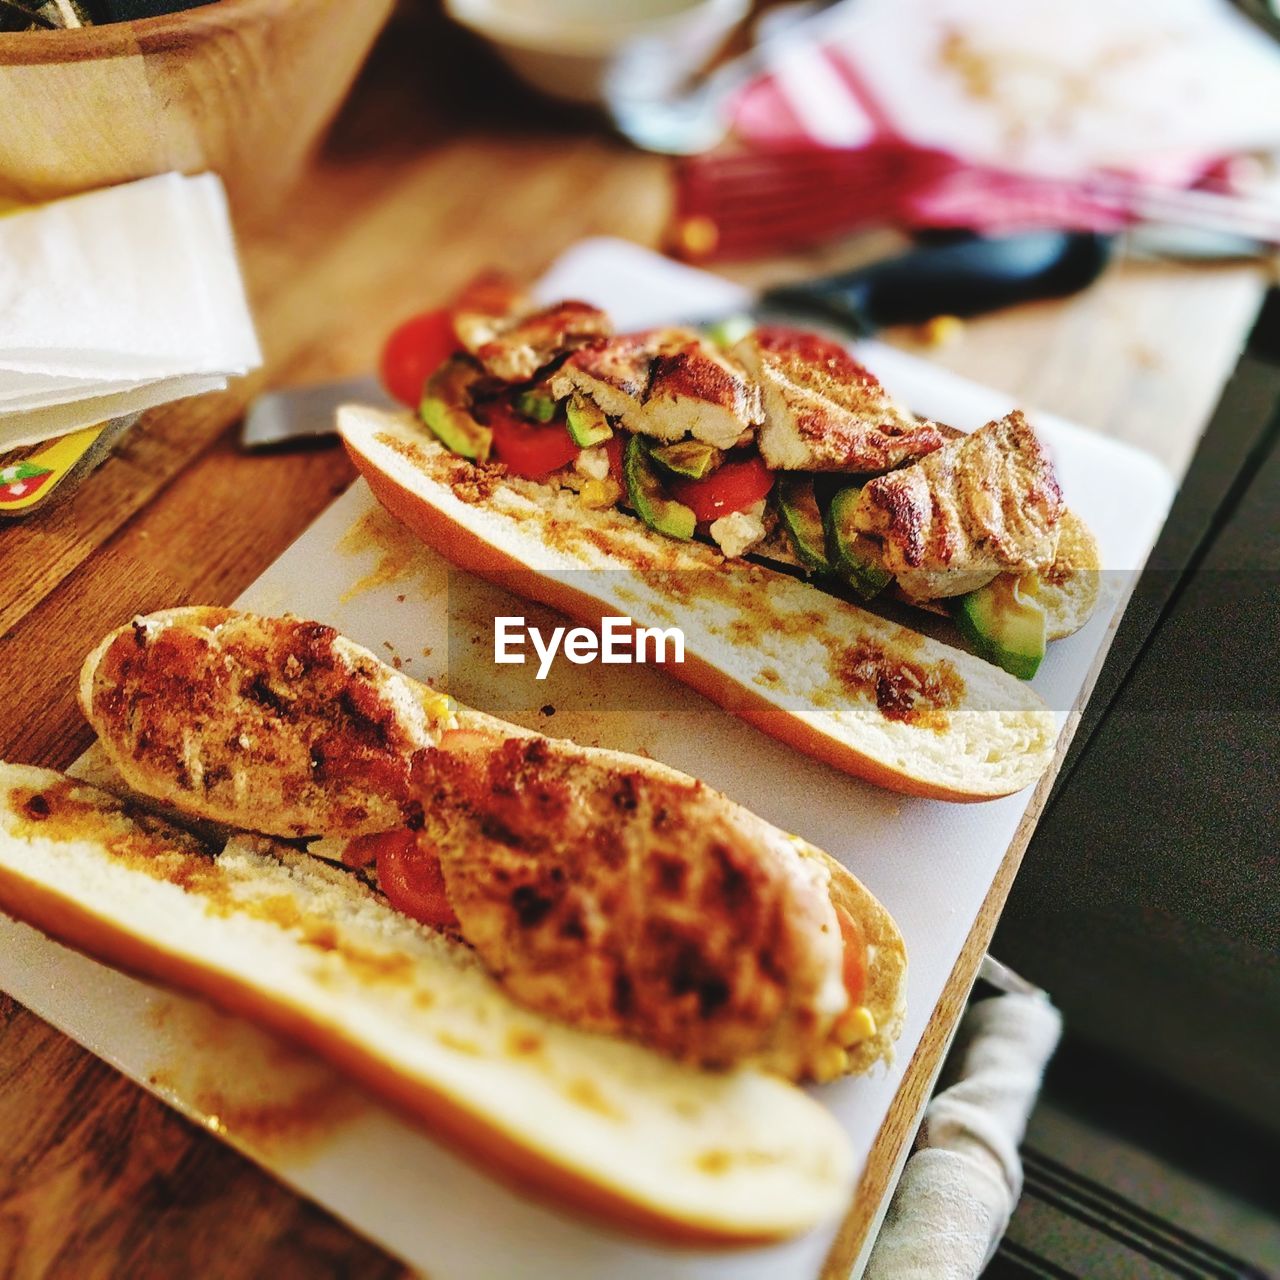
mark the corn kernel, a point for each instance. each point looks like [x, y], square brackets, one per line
[855, 1025]
[696, 237]
[600, 493]
[941, 331]
[831, 1061]
[439, 706]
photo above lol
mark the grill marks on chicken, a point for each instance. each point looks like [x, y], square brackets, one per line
[985, 504]
[514, 347]
[666, 383]
[648, 906]
[824, 411]
[274, 724]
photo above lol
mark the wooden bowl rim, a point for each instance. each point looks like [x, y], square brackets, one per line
[143, 35]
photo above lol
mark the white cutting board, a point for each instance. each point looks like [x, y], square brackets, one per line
[930, 863]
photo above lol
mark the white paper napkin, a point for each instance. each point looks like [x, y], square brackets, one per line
[115, 301]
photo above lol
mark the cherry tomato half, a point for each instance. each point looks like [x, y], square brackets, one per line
[414, 351]
[530, 449]
[855, 956]
[409, 874]
[734, 485]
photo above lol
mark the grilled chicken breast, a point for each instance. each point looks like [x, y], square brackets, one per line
[271, 724]
[605, 890]
[640, 902]
[823, 411]
[981, 505]
[666, 383]
[514, 347]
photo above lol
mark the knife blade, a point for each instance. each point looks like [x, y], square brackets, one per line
[960, 278]
[300, 413]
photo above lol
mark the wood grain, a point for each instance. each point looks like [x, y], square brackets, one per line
[1135, 357]
[435, 171]
[101, 1180]
[243, 87]
[324, 298]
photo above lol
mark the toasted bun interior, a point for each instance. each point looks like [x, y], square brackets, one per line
[306, 950]
[1070, 589]
[826, 677]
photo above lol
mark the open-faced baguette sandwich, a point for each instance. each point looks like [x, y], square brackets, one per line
[629, 475]
[592, 973]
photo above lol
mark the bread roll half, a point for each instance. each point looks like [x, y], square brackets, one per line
[306, 950]
[872, 698]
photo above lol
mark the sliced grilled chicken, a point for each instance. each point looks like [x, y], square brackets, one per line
[515, 346]
[273, 725]
[985, 504]
[823, 411]
[603, 889]
[627, 898]
[666, 383]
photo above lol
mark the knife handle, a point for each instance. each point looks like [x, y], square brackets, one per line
[963, 278]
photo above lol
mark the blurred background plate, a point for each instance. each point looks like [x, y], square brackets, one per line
[574, 49]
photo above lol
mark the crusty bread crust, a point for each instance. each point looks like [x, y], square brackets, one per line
[1072, 586]
[305, 951]
[996, 739]
[886, 993]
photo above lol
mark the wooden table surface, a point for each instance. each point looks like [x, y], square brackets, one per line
[428, 177]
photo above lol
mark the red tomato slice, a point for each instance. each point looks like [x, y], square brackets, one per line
[616, 446]
[409, 874]
[735, 485]
[530, 449]
[855, 956]
[414, 351]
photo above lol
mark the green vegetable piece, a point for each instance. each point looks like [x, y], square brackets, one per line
[446, 409]
[536, 405]
[855, 557]
[802, 519]
[587, 424]
[730, 331]
[1005, 623]
[692, 458]
[644, 492]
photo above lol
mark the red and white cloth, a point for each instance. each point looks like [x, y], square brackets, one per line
[1008, 114]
